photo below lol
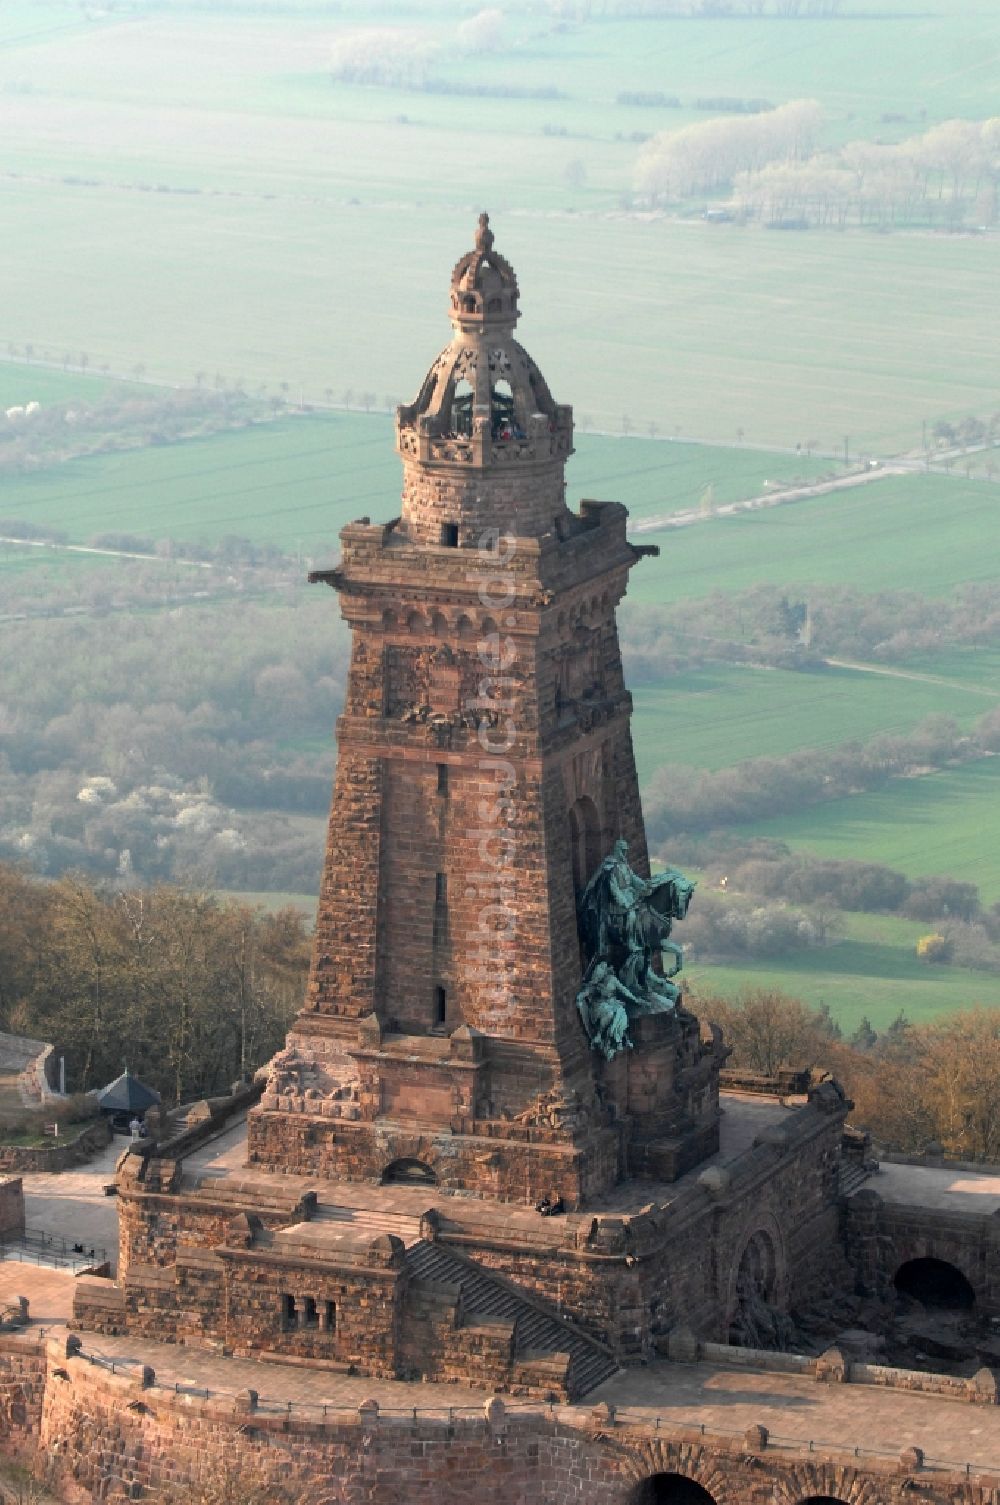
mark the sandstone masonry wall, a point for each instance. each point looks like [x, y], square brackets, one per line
[111, 1438]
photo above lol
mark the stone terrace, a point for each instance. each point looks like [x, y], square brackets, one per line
[669, 1397]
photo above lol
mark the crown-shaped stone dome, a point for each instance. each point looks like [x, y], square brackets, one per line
[484, 409]
[484, 287]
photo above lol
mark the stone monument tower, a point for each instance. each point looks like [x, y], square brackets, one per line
[485, 769]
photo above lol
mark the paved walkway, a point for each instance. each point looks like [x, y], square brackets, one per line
[72, 1205]
[794, 1408]
[799, 1409]
[936, 1187]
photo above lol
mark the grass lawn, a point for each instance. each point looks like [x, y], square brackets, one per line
[873, 971]
[714, 717]
[944, 822]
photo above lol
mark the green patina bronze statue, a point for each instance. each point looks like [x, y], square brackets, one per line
[625, 923]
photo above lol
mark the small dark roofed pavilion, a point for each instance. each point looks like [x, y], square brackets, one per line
[126, 1094]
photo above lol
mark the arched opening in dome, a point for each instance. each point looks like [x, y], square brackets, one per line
[669, 1489]
[502, 419]
[935, 1283]
[461, 408]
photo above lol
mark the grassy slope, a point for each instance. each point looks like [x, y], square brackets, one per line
[304, 191]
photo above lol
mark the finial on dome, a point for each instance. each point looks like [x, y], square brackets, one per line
[484, 236]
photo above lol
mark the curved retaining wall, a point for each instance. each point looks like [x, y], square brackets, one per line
[60, 1155]
[113, 1438]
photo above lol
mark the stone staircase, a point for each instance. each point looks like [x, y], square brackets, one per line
[366, 1219]
[853, 1175]
[538, 1331]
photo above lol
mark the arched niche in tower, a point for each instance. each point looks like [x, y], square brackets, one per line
[503, 420]
[461, 407]
[585, 840]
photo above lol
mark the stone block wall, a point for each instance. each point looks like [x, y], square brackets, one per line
[881, 1236]
[110, 1438]
[60, 1154]
[22, 1386]
[629, 1280]
[11, 1207]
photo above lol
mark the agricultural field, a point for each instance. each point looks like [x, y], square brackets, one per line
[189, 198]
[915, 532]
[723, 714]
[23, 381]
[243, 216]
[943, 822]
[872, 971]
[297, 480]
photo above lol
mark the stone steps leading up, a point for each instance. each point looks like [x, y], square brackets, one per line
[852, 1176]
[363, 1218]
[537, 1332]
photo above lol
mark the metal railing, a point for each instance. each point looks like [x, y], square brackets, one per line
[35, 1246]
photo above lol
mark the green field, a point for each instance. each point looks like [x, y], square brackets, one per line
[714, 717]
[943, 822]
[22, 382]
[873, 971]
[296, 481]
[926, 533]
[239, 214]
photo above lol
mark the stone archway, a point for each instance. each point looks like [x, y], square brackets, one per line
[669, 1489]
[585, 841]
[935, 1283]
[409, 1172]
[757, 1293]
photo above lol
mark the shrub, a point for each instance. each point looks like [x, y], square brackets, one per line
[934, 948]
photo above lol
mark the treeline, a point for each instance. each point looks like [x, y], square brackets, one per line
[683, 798]
[932, 1088]
[189, 747]
[33, 434]
[699, 158]
[399, 57]
[775, 174]
[934, 178]
[192, 993]
[723, 104]
[791, 627]
[761, 899]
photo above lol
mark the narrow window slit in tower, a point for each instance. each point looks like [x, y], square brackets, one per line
[442, 785]
[449, 535]
[440, 1005]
